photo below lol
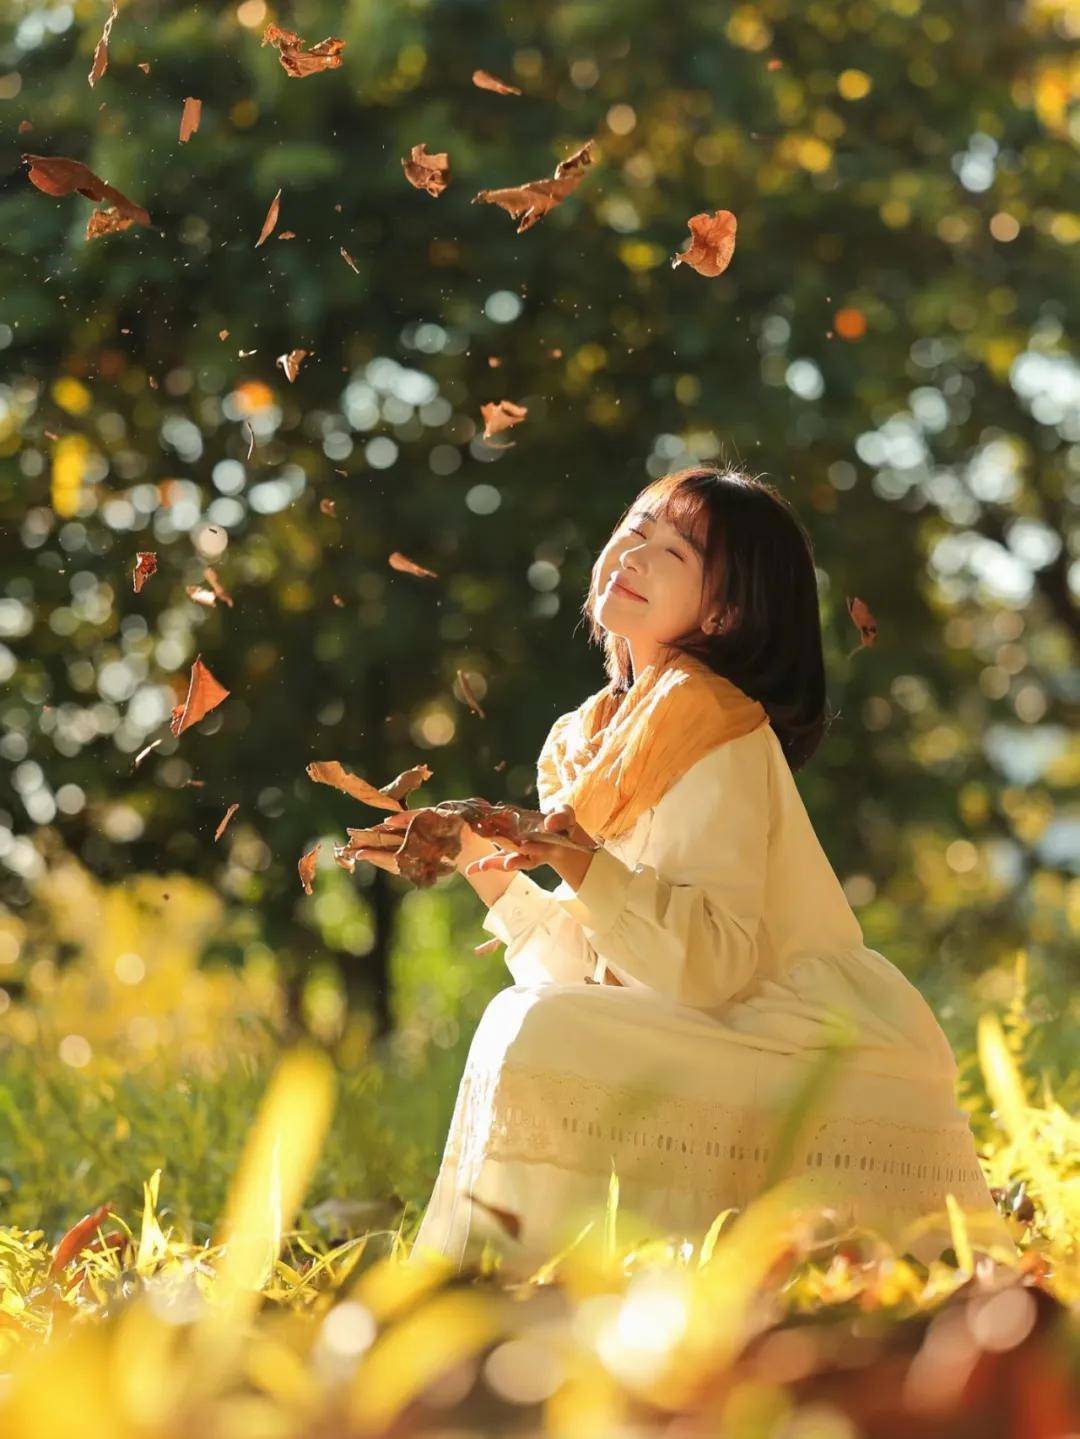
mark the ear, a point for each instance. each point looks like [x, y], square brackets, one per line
[712, 624]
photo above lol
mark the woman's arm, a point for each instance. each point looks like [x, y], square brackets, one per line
[687, 924]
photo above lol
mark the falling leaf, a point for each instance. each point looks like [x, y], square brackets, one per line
[223, 823]
[287, 235]
[145, 566]
[57, 175]
[774, 64]
[532, 200]
[401, 562]
[296, 60]
[101, 53]
[500, 416]
[201, 595]
[271, 220]
[349, 259]
[291, 363]
[338, 601]
[223, 334]
[427, 172]
[220, 592]
[144, 66]
[210, 593]
[483, 81]
[251, 439]
[864, 622]
[494, 362]
[204, 694]
[306, 867]
[554, 354]
[469, 693]
[24, 126]
[389, 796]
[327, 507]
[144, 752]
[507, 1220]
[189, 120]
[712, 243]
[107, 222]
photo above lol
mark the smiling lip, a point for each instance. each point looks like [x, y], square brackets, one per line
[626, 590]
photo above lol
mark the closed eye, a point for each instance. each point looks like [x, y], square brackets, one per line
[676, 553]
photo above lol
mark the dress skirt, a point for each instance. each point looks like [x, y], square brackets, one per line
[566, 1082]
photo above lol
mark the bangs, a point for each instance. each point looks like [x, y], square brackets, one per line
[674, 499]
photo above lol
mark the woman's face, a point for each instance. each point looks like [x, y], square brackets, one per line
[663, 567]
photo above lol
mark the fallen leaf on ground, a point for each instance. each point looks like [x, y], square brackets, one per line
[189, 119]
[532, 200]
[101, 51]
[204, 694]
[501, 415]
[401, 562]
[484, 81]
[145, 566]
[427, 172]
[712, 243]
[306, 867]
[77, 1237]
[270, 221]
[298, 61]
[57, 175]
[223, 823]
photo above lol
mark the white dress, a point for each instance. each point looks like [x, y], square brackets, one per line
[720, 914]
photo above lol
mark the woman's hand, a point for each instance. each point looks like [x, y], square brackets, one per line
[569, 864]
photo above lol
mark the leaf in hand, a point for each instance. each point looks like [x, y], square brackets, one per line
[427, 172]
[532, 200]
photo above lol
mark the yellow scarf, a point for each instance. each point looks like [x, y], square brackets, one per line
[613, 759]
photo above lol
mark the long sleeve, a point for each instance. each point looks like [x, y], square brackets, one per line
[686, 925]
[544, 945]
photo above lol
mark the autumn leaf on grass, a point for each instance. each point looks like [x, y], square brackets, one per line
[270, 221]
[145, 566]
[712, 243]
[306, 867]
[101, 52]
[864, 622]
[387, 796]
[298, 61]
[501, 415]
[532, 200]
[224, 821]
[190, 118]
[204, 694]
[469, 694]
[427, 172]
[401, 562]
[483, 81]
[291, 363]
[57, 175]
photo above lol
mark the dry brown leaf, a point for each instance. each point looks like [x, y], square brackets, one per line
[427, 172]
[287, 235]
[349, 260]
[401, 562]
[501, 415]
[328, 507]
[107, 222]
[270, 221]
[201, 595]
[251, 439]
[190, 118]
[469, 694]
[291, 363]
[338, 601]
[145, 566]
[57, 175]
[144, 66]
[712, 243]
[101, 52]
[25, 125]
[306, 867]
[506, 1218]
[389, 796]
[483, 81]
[204, 694]
[295, 59]
[532, 200]
[864, 622]
[223, 334]
[223, 824]
[220, 592]
[494, 362]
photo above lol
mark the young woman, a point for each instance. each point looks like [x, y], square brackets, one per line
[726, 949]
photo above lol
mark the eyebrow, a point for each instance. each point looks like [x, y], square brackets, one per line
[639, 514]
